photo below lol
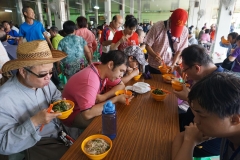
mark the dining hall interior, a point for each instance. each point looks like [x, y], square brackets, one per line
[144, 77]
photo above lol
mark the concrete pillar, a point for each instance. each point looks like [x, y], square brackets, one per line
[83, 9]
[107, 11]
[39, 11]
[49, 17]
[68, 10]
[222, 29]
[132, 7]
[19, 12]
[192, 15]
[60, 15]
[122, 9]
[96, 16]
[139, 11]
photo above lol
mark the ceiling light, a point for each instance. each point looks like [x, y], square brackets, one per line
[96, 7]
[8, 10]
[78, 3]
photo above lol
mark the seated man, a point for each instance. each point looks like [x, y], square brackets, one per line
[197, 64]
[136, 60]
[26, 97]
[217, 114]
[87, 88]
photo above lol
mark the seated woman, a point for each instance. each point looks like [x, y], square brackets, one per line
[127, 37]
[13, 36]
[87, 88]
[136, 60]
[235, 56]
[76, 49]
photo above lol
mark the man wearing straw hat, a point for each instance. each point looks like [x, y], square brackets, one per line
[25, 98]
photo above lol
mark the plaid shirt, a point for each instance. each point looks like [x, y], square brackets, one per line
[157, 38]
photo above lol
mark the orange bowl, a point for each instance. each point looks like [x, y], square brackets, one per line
[159, 97]
[99, 156]
[68, 112]
[168, 78]
[137, 77]
[164, 70]
[129, 93]
[178, 85]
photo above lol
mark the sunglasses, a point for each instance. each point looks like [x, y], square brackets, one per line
[39, 75]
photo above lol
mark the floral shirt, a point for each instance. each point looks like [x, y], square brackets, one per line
[73, 46]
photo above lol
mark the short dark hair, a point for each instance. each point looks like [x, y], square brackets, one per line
[196, 54]
[54, 29]
[24, 9]
[82, 22]
[207, 30]
[130, 21]
[218, 93]
[118, 58]
[69, 27]
[114, 18]
[5, 22]
[233, 35]
[238, 38]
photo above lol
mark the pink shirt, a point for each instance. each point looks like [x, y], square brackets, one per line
[83, 87]
[157, 38]
[89, 37]
[205, 37]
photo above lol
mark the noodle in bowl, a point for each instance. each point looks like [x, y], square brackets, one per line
[96, 146]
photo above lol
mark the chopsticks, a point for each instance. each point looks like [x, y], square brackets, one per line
[127, 102]
[48, 110]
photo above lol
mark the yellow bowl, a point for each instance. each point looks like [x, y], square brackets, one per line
[129, 93]
[178, 85]
[164, 70]
[168, 78]
[68, 112]
[137, 77]
[99, 156]
[158, 97]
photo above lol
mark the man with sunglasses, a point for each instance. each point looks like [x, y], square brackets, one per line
[166, 39]
[24, 101]
[197, 64]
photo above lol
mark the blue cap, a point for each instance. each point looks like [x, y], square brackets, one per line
[108, 108]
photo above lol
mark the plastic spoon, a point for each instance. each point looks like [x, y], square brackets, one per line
[48, 110]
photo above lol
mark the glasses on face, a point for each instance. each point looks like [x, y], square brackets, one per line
[39, 75]
[184, 70]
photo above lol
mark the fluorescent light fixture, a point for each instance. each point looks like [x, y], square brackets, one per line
[96, 7]
[8, 10]
[78, 3]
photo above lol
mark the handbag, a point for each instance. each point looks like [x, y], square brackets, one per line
[46, 149]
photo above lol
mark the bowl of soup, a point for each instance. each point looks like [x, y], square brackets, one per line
[63, 106]
[158, 94]
[137, 77]
[178, 86]
[164, 69]
[97, 146]
[168, 78]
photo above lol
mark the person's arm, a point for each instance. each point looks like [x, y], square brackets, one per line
[20, 40]
[129, 76]
[96, 109]
[153, 54]
[48, 40]
[106, 43]
[110, 93]
[115, 43]
[184, 143]
[88, 54]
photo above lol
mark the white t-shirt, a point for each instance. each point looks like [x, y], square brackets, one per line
[3, 56]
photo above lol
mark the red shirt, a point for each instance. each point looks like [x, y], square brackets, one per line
[132, 41]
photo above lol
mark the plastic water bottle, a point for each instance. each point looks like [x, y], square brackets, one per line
[109, 120]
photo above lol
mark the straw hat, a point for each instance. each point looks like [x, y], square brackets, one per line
[33, 53]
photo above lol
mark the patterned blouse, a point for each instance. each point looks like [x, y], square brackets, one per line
[73, 46]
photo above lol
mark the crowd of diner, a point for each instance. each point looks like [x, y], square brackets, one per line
[78, 63]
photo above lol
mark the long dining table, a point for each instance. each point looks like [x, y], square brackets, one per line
[145, 128]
